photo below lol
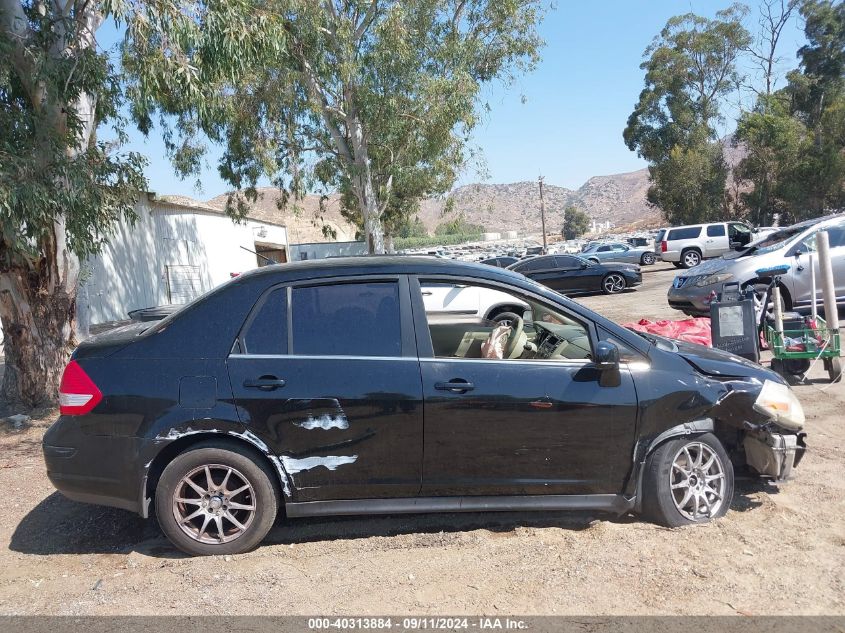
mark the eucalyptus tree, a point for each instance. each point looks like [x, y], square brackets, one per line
[375, 99]
[61, 189]
[690, 68]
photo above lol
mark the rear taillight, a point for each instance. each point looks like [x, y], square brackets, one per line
[664, 246]
[77, 394]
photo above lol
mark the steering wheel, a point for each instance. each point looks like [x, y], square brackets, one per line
[517, 328]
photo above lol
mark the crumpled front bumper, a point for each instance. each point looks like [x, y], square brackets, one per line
[774, 454]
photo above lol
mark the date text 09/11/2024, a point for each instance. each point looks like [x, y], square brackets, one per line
[418, 624]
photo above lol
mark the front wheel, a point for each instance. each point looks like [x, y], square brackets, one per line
[613, 284]
[687, 480]
[215, 499]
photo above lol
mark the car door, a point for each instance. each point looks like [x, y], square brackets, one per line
[619, 253]
[715, 240]
[327, 375]
[801, 280]
[574, 274]
[516, 427]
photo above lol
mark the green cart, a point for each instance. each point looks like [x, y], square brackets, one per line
[794, 350]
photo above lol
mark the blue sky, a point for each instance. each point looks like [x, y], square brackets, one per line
[576, 102]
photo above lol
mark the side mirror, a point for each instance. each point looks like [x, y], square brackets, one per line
[607, 356]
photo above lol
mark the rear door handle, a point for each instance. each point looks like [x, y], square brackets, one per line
[265, 383]
[455, 386]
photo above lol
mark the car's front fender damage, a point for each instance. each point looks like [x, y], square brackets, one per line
[724, 406]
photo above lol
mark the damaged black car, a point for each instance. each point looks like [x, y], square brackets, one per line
[372, 385]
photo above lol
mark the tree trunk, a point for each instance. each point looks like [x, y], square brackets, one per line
[38, 337]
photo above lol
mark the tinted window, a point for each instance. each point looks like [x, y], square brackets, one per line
[836, 235]
[686, 233]
[360, 319]
[268, 331]
[716, 230]
[567, 261]
[603, 249]
[535, 263]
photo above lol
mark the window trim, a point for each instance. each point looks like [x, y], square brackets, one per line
[425, 346]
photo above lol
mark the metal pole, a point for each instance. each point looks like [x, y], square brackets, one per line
[543, 215]
[831, 312]
[814, 311]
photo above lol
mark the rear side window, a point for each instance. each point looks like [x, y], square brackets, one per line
[686, 233]
[356, 319]
[531, 264]
[716, 230]
[567, 261]
[268, 331]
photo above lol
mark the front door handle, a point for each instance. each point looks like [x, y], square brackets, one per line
[455, 386]
[265, 383]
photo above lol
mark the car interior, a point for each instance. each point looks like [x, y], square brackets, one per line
[541, 333]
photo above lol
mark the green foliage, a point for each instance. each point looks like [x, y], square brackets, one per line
[410, 228]
[575, 223]
[436, 240]
[795, 139]
[690, 67]
[458, 226]
[58, 184]
[375, 99]
[689, 185]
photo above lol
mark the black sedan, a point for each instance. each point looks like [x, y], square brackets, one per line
[570, 274]
[326, 387]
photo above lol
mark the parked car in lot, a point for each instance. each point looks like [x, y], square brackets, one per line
[691, 291]
[327, 387]
[619, 252]
[572, 274]
[687, 246]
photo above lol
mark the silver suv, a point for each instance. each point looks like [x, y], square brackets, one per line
[686, 246]
[692, 290]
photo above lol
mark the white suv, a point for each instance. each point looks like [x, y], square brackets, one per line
[686, 246]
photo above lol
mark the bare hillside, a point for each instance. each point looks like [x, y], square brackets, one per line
[620, 198]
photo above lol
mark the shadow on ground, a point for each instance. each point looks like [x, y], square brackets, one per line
[60, 526]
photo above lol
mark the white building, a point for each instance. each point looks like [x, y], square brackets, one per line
[176, 250]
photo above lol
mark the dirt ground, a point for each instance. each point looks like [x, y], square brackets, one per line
[778, 550]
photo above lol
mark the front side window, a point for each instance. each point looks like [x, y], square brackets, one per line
[544, 333]
[349, 319]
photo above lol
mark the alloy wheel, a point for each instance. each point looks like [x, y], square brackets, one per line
[613, 283]
[692, 259]
[214, 504]
[648, 259]
[697, 481]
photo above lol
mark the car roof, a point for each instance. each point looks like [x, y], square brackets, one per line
[376, 264]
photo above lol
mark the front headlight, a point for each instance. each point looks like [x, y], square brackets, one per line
[779, 403]
[718, 278]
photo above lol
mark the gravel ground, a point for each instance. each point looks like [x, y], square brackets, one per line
[778, 550]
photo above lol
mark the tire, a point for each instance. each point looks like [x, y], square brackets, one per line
[834, 369]
[671, 507]
[677, 264]
[690, 258]
[505, 318]
[647, 259]
[259, 501]
[613, 283]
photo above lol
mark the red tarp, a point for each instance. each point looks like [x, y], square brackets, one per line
[692, 330]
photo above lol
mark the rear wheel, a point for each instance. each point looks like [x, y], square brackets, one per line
[677, 264]
[216, 499]
[690, 258]
[834, 369]
[687, 480]
[613, 284]
[647, 259]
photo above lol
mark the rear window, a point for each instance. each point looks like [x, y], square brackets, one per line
[716, 230]
[685, 233]
[267, 333]
[356, 319]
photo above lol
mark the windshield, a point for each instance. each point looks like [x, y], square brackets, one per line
[775, 241]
